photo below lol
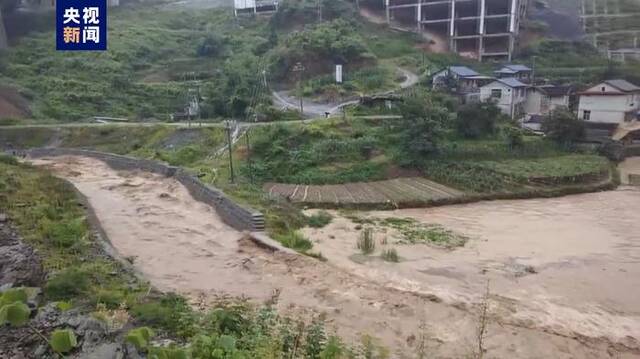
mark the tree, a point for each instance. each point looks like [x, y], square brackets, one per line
[563, 126]
[422, 128]
[478, 119]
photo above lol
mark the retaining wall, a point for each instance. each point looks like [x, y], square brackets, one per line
[237, 216]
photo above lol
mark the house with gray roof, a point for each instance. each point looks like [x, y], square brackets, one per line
[461, 81]
[509, 94]
[520, 72]
[612, 101]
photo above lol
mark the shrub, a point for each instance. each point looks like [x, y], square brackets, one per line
[140, 337]
[295, 240]
[68, 284]
[210, 46]
[16, 314]
[563, 126]
[110, 298]
[63, 340]
[423, 127]
[477, 120]
[390, 255]
[366, 243]
[9, 160]
[171, 312]
[319, 219]
[513, 137]
[65, 234]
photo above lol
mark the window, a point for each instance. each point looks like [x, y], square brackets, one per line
[496, 93]
[586, 115]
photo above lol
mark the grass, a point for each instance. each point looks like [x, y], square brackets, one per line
[319, 220]
[295, 240]
[561, 166]
[366, 243]
[410, 231]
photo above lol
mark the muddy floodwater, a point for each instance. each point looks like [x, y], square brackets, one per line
[563, 274]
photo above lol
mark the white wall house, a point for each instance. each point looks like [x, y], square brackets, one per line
[466, 82]
[509, 94]
[255, 6]
[612, 101]
[543, 99]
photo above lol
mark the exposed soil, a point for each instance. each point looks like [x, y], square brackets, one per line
[182, 245]
[12, 104]
[398, 192]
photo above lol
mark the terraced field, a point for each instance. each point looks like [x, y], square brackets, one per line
[399, 192]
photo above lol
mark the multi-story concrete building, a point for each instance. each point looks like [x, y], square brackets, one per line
[482, 28]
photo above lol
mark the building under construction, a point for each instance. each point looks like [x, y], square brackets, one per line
[479, 28]
[613, 26]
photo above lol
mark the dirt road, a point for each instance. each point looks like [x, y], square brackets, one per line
[182, 245]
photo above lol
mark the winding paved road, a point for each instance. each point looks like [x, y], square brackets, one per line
[284, 100]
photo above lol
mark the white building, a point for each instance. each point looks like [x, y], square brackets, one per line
[509, 94]
[465, 82]
[612, 101]
[546, 98]
[520, 72]
[255, 6]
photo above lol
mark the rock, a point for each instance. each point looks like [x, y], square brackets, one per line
[3, 218]
[105, 351]
[41, 351]
[132, 352]
[91, 340]
[19, 264]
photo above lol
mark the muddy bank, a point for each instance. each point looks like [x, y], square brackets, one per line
[181, 245]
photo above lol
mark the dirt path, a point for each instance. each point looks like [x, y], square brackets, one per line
[182, 245]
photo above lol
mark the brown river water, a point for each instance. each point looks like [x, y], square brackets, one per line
[563, 273]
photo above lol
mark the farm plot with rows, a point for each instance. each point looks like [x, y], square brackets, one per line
[399, 192]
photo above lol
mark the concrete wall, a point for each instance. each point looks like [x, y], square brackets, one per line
[233, 214]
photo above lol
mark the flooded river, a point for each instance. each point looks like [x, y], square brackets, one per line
[563, 273]
[570, 265]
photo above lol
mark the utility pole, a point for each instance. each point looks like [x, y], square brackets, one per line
[249, 164]
[319, 2]
[229, 143]
[299, 68]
